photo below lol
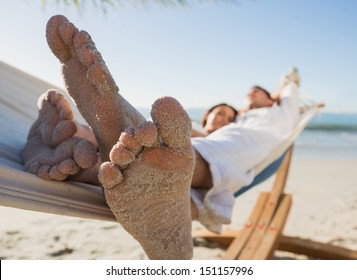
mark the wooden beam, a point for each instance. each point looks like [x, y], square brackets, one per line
[237, 245]
[315, 249]
[272, 236]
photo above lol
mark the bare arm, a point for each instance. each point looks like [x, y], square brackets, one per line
[196, 133]
[198, 130]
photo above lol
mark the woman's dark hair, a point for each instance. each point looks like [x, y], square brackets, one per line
[203, 121]
[263, 90]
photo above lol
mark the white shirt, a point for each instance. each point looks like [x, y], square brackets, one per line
[234, 150]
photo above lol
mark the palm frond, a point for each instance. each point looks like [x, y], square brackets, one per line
[105, 4]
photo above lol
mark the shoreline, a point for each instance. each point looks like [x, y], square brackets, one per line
[324, 209]
[324, 153]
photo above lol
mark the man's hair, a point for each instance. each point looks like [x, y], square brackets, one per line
[263, 90]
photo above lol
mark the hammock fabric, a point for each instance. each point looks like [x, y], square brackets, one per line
[18, 110]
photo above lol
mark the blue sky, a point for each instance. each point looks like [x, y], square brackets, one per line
[203, 54]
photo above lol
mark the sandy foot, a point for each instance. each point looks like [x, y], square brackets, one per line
[147, 182]
[52, 151]
[90, 84]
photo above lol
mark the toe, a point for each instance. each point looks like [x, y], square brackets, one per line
[81, 38]
[85, 49]
[88, 55]
[66, 113]
[85, 154]
[43, 172]
[172, 122]
[146, 135]
[109, 175]
[120, 155]
[54, 40]
[53, 96]
[68, 167]
[32, 167]
[67, 32]
[64, 109]
[55, 174]
[63, 131]
[128, 139]
[99, 76]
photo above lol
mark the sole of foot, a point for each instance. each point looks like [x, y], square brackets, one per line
[147, 182]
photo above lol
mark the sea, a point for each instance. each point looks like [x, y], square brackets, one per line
[327, 136]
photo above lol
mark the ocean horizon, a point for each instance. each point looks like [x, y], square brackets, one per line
[327, 136]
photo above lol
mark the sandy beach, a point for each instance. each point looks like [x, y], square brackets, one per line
[324, 209]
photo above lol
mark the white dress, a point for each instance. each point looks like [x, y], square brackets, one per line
[234, 150]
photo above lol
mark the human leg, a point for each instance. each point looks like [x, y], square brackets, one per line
[94, 92]
[202, 177]
[230, 154]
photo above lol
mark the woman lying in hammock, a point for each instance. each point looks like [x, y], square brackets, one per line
[156, 178]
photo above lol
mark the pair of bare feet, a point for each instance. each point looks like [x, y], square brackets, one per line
[146, 175]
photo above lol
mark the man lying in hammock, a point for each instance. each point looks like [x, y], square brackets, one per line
[156, 178]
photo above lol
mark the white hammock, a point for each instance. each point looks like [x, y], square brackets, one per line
[18, 98]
